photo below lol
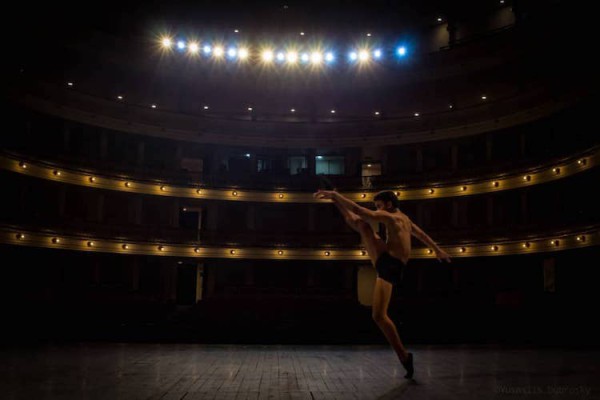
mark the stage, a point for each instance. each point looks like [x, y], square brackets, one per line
[195, 371]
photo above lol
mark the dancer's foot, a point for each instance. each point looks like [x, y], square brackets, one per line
[408, 365]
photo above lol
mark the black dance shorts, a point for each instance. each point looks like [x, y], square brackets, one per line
[389, 268]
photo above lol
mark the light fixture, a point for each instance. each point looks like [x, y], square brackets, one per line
[429, 251]
[280, 57]
[494, 248]
[55, 240]
[198, 191]
[555, 242]
[463, 188]
[451, 106]
[181, 45]
[243, 53]
[353, 55]
[280, 252]
[462, 249]
[236, 30]
[163, 188]
[22, 164]
[92, 179]
[247, 155]
[526, 245]
[166, 43]
[527, 178]
[56, 172]
[206, 49]
[218, 51]
[249, 108]
[235, 193]
[20, 236]
[376, 112]
[319, 157]
[127, 184]
[397, 194]
[556, 170]
[483, 97]
[416, 114]
[161, 248]
[333, 111]
[125, 246]
[280, 195]
[292, 110]
[292, 57]
[184, 209]
[194, 48]
[496, 183]
[267, 55]
[304, 57]
[329, 57]
[301, 33]
[232, 251]
[153, 106]
[369, 34]
[368, 165]
[316, 57]
[205, 107]
[119, 97]
[90, 244]
[327, 253]
[439, 19]
[197, 250]
[363, 195]
[401, 51]
[581, 238]
[431, 191]
[69, 83]
[363, 253]
[363, 55]
[583, 161]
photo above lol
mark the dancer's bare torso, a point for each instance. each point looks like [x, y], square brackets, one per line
[398, 229]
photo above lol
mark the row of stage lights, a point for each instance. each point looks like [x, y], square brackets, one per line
[582, 162]
[291, 56]
[428, 251]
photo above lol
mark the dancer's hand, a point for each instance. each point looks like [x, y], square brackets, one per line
[442, 256]
[324, 194]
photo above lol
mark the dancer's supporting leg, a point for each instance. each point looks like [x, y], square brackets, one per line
[382, 292]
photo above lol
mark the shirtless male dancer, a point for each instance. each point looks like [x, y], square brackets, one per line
[389, 258]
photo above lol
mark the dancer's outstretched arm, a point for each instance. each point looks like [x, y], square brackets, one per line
[363, 212]
[423, 237]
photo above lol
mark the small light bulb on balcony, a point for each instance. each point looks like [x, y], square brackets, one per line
[494, 248]
[20, 236]
[232, 251]
[327, 253]
[92, 179]
[125, 247]
[90, 244]
[55, 240]
[280, 252]
[234, 193]
[161, 248]
[197, 250]
[56, 172]
[22, 164]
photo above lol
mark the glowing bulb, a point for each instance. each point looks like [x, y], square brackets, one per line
[163, 188]
[333, 111]
[280, 252]
[527, 178]
[292, 57]
[235, 193]
[22, 164]
[416, 114]
[92, 179]
[429, 251]
[197, 250]
[243, 54]
[363, 195]
[353, 56]
[462, 249]
[556, 170]
[249, 108]
[161, 248]
[464, 188]
[231, 52]
[218, 51]
[90, 244]
[363, 253]
[304, 57]
[431, 191]
[232, 251]
[267, 55]
[127, 184]
[581, 238]
[293, 110]
[301, 33]
[181, 45]
[327, 253]
[401, 51]
[496, 184]
[526, 245]
[280, 56]
[70, 83]
[194, 47]
[439, 19]
[281, 195]
[377, 53]
[206, 49]
[153, 106]
[494, 248]
[20, 236]
[198, 191]
[55, 240]
[397, 194]
[329, 57]
[363, 55]
[376, 112]
[483, 97]
[205, 107]
[125, 246]
[56, 172]
[316, 57]
[119, 97]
